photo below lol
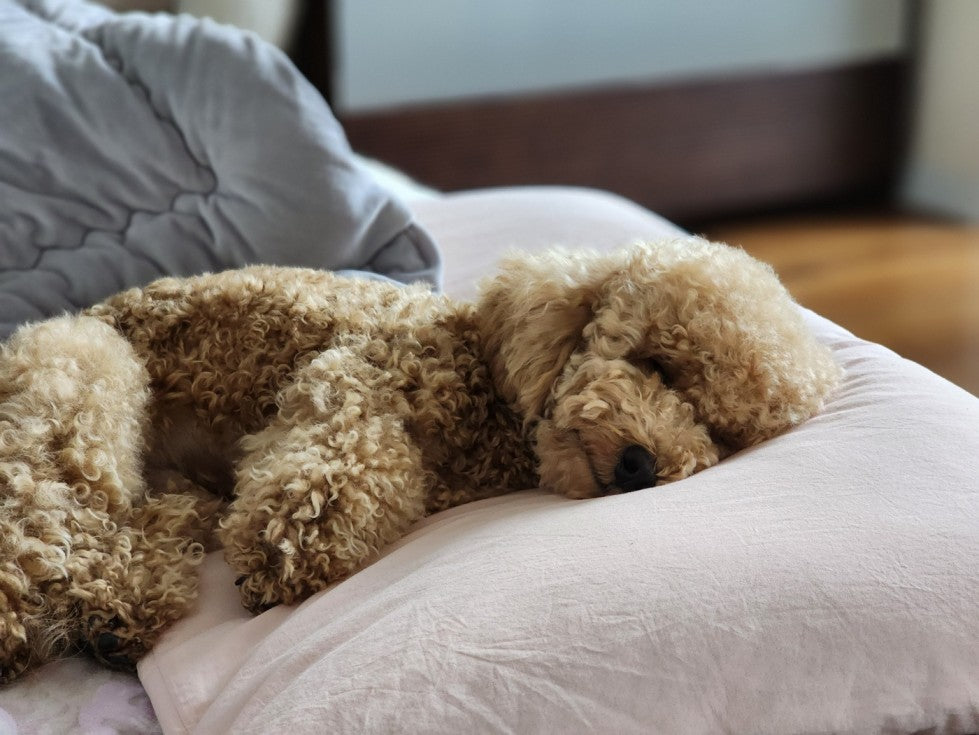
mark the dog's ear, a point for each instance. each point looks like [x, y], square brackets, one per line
[531, 315]
[721, 330]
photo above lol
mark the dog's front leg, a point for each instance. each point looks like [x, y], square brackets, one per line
[333, 478]
[141, 577]
[72, 405]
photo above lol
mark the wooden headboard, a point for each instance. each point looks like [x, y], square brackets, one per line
[692, 150]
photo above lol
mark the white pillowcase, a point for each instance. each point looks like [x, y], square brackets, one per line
[824, 581]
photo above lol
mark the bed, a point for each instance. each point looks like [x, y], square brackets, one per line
[824, 581]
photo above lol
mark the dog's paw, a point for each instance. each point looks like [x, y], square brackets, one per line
[255, 592]
[113, 643]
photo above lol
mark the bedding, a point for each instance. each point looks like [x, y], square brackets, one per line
[76, 696]
[824, 581]
[135, 146]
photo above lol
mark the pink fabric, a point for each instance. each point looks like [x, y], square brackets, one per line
[825, 581]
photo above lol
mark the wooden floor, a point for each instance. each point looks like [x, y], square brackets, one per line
[910, 284]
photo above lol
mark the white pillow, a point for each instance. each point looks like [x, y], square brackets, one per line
[824, 581]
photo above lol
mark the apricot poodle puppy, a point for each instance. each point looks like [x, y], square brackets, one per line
[303, 421]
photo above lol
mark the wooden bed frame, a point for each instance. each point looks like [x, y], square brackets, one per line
[693, 151]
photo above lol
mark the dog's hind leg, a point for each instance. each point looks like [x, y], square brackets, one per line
[334, 478]
[72, 402]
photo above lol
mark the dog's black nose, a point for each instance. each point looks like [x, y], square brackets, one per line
[636, 469]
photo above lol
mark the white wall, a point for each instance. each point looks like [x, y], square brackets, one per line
[273, 20]
[402, 51]
[943, 175]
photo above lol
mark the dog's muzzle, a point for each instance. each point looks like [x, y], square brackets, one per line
[635, 470]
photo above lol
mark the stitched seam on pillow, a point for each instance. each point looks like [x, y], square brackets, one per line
[32, 305]
[145, 257]
[115, 63]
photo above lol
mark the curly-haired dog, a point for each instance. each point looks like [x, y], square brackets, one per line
[313, 419]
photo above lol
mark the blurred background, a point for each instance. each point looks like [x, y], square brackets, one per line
[834, 139]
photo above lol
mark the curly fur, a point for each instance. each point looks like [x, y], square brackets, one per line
[303, 421]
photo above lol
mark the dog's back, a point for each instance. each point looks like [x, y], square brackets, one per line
[220, 347]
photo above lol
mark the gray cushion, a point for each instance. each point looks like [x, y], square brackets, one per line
[134, 146]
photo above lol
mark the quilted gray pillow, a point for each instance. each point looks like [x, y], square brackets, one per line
[134, 146]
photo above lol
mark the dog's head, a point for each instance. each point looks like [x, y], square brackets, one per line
[650, 363]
